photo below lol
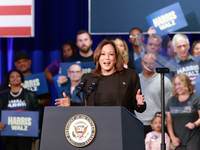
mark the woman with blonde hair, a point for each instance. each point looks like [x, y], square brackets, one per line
[183, 114]
[123, 49]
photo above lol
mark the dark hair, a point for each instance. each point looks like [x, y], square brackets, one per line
[72, 44]
[154, 118]
[21, 55]
[83, 31]
[97, 53]
[135, 29]
[14, 70]
[193, 45]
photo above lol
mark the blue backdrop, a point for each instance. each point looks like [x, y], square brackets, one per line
[56, 22]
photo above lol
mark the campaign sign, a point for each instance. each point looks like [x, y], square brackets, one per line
[197, 87]
[37, 83]
[57, 85]
[87, 67]
[20, 123]
[168, 19]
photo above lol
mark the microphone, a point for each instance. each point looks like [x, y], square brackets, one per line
[81, 85]
[92, 87]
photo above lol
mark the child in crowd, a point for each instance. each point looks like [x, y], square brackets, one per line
[153, 138]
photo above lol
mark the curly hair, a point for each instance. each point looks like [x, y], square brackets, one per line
[9, 73]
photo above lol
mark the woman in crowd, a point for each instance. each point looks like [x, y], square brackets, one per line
[123, 49]
[68, 49]
[17, 99]
[117, 86]
[183, 114]
[195, 49]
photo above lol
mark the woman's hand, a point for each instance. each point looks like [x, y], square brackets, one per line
[176, 141]
[140, 98]
[63, 101]
[190, 125]
[2, 125]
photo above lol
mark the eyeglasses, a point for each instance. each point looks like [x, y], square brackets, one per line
[133, 36]
[75, 72]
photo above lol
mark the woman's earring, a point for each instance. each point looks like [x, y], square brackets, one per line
[21, 84]
[9, 85]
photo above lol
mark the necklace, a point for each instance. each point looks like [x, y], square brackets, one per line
[16, 94]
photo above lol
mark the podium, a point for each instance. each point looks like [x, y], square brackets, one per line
[116, 128]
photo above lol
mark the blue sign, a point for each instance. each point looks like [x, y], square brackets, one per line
[87, 67]
[57, 85]
[168, 19]
[197, 83]
[37, 83]
[20, 123]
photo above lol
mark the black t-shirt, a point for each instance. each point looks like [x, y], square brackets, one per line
[109, 90]
[17, 102]
[77, 57]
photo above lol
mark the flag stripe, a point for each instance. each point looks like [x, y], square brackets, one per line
[15, 31]
[16, 21]
[16, 2]
[15, 10]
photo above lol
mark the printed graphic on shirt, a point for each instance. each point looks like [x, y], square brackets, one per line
[180, 110]
[190, 71]
[17, 104]
[154, 138]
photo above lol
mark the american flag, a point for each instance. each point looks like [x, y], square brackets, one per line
[16, 18]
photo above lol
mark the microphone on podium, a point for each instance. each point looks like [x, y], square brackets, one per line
[92, 87]
[80, 87]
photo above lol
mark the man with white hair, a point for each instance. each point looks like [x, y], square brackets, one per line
[185, 62]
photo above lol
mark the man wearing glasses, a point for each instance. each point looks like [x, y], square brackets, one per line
[135, 51]
[74, 73]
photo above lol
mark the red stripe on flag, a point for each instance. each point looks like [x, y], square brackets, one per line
[15, 31]
[15, 10]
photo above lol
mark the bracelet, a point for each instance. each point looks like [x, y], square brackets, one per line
[195, 125]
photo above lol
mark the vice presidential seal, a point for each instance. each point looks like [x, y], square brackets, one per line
[80, 130]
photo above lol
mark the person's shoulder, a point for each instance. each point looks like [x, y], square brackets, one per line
[4, 92]
[28, 92]
[87, 75]
[72, 58]
[130, 72]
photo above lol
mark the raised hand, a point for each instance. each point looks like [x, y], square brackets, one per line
[140, 98]
[63, 101]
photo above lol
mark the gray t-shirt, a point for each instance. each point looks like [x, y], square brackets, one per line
[182, 113]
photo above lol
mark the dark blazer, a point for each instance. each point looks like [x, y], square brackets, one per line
[29, 96]
[127, 84]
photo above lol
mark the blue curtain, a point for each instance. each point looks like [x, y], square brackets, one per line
[56, 22]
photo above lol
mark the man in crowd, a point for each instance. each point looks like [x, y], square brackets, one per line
[23, 64]
[185, 62]
[151, 88]
[84, 44]
[74, 73]
[85, 53]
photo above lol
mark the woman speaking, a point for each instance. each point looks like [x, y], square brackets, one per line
[117, 86]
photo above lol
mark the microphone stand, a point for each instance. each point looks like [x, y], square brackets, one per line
[162, 71]
[85, 98]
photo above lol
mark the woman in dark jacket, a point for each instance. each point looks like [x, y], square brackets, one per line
[17, 99]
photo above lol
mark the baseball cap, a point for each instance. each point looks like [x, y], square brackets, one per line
[21, 55]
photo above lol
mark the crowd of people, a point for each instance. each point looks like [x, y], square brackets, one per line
[124, 77]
